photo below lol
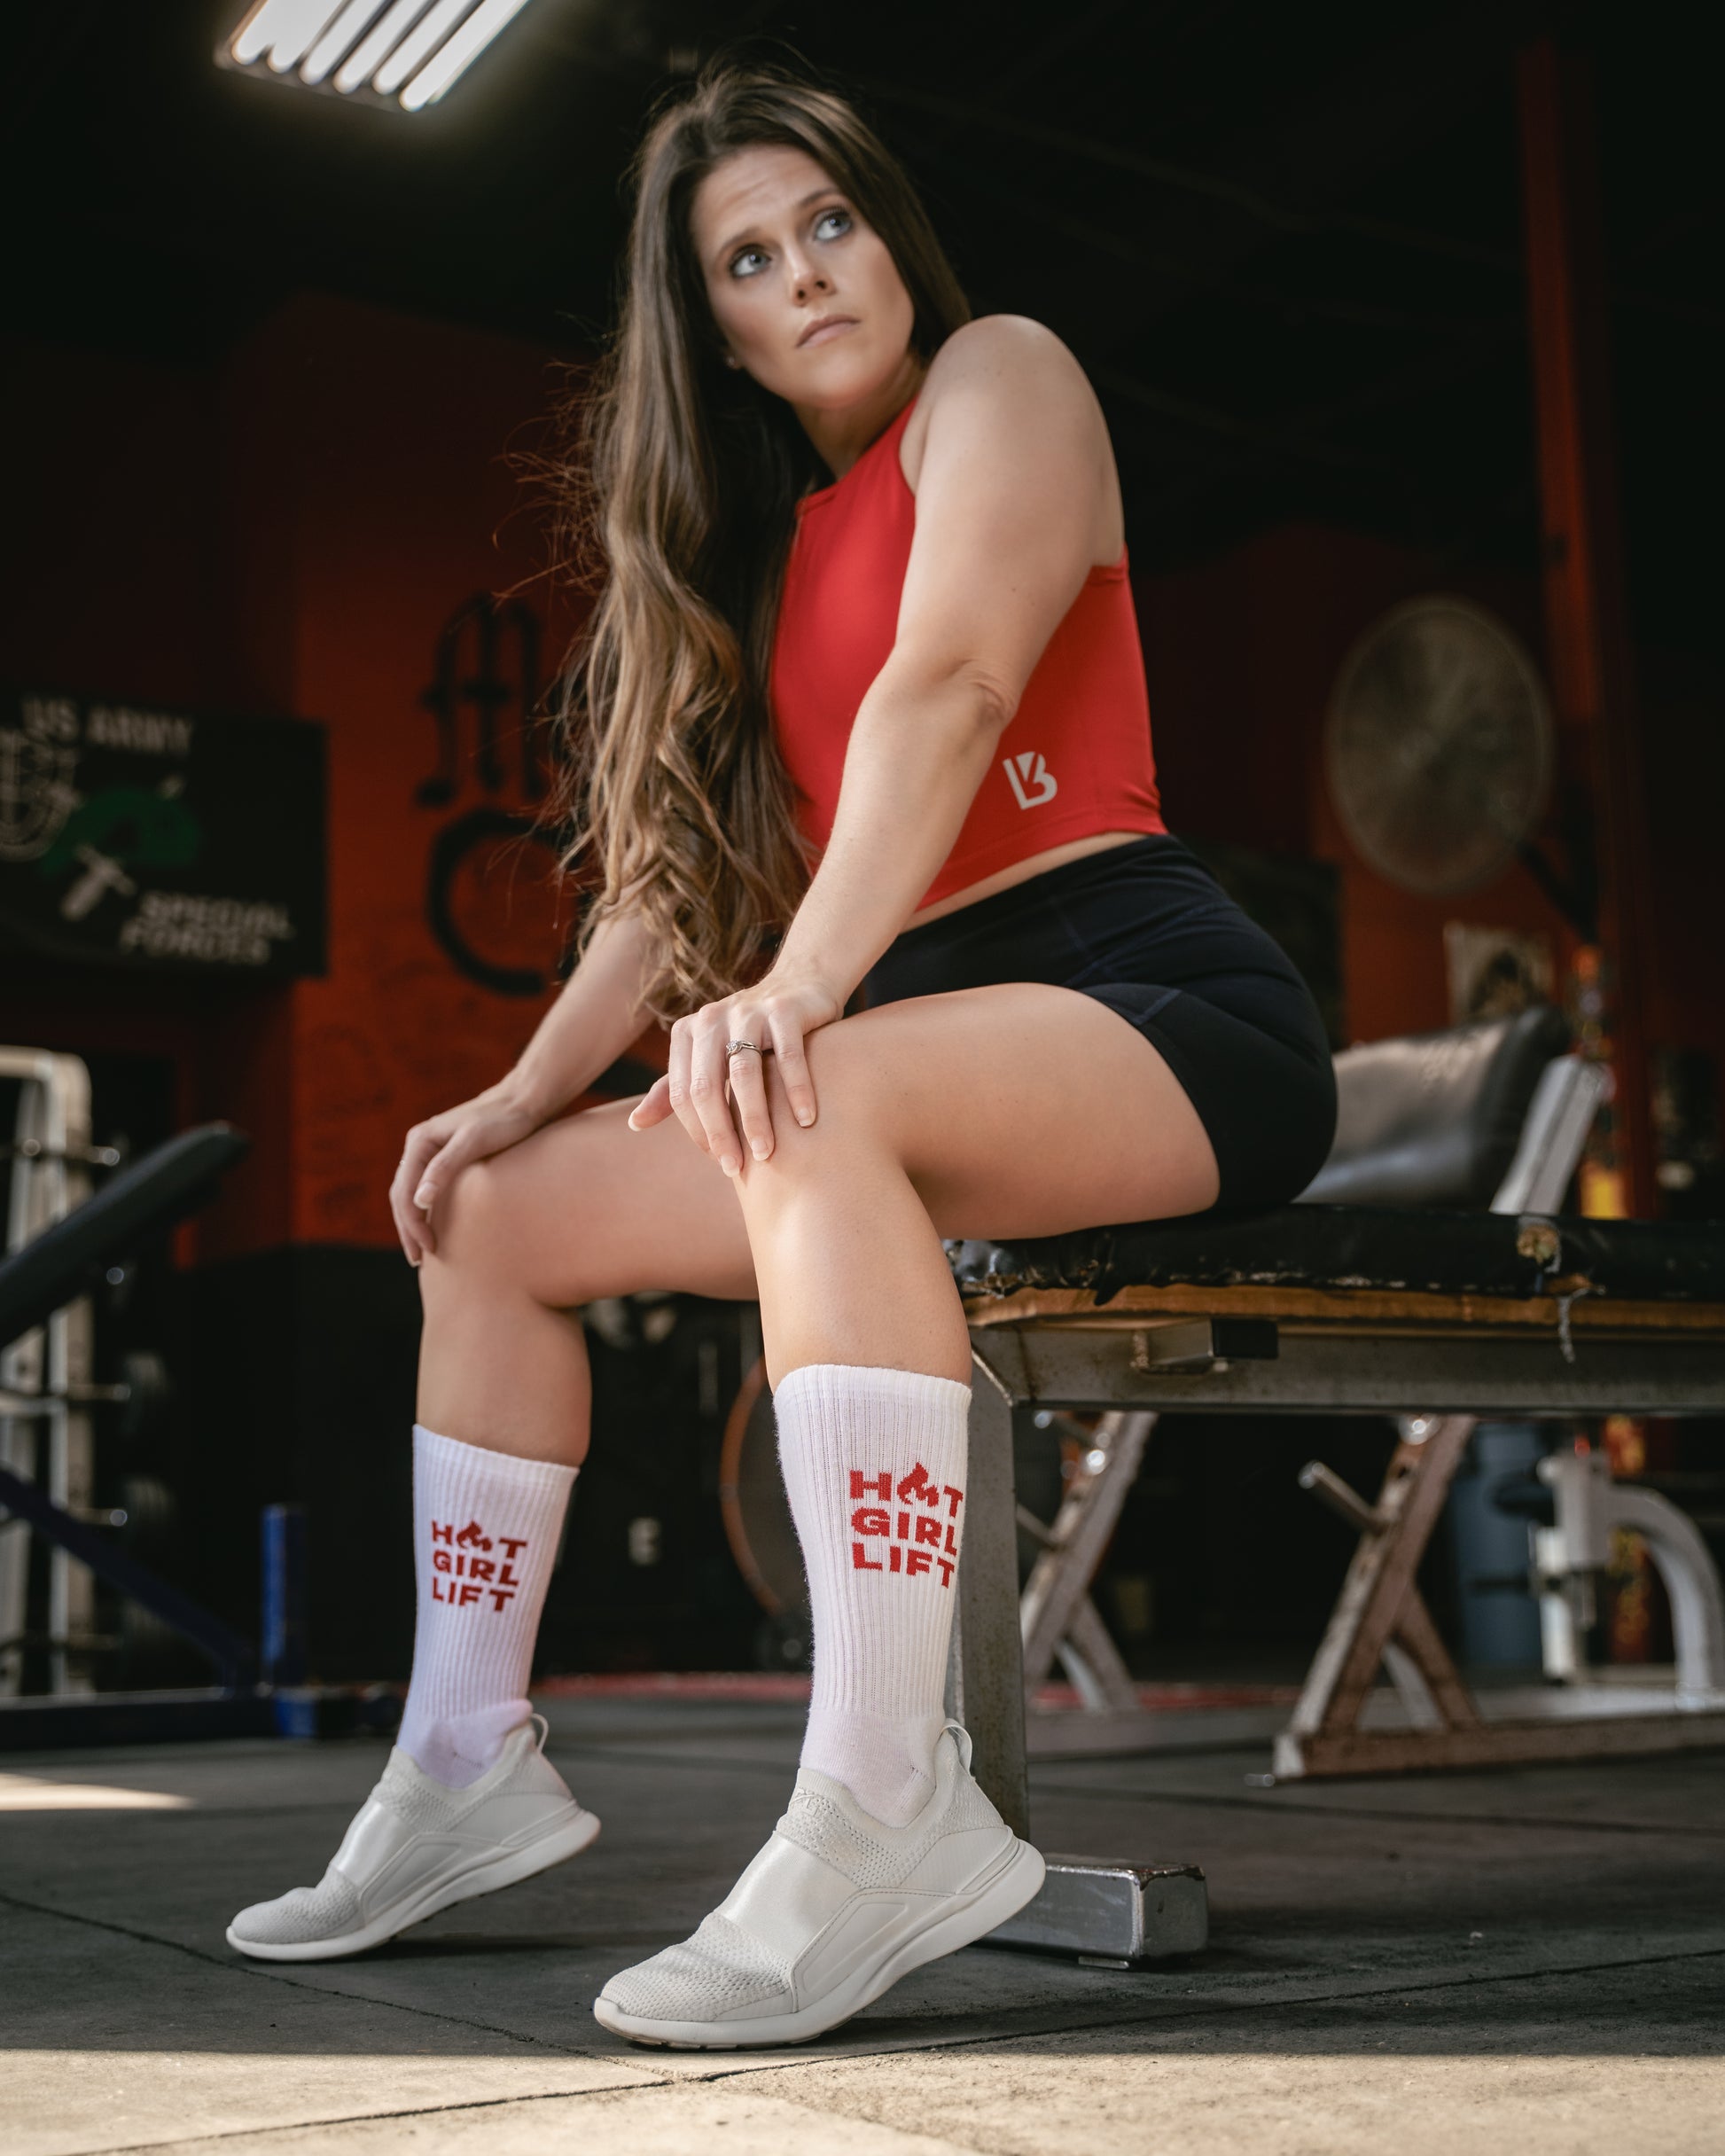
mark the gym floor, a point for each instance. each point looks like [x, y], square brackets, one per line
[1532, 1960]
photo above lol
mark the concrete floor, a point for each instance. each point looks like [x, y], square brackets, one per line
[1521, 1961]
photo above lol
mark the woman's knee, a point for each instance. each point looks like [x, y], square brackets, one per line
[508, 1214]
[472, 1222]
[853, 1095]
[563, 1217]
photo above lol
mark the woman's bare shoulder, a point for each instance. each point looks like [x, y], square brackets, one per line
[1004, 371]
[995, 340]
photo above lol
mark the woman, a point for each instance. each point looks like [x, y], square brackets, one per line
[867, 613]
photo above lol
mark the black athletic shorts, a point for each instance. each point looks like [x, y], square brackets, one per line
[1146, 930]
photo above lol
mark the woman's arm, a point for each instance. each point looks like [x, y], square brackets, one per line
[593, 1020]
[1015, 503]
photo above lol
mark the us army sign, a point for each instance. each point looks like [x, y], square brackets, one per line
[154, 839]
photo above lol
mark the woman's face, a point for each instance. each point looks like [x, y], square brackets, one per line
[806, 296]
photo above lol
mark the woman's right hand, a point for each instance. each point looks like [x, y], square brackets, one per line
[437, 1150]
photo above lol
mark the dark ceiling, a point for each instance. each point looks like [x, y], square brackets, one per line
[1285, 242]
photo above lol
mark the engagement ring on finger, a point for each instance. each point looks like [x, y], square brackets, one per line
[736, 1048]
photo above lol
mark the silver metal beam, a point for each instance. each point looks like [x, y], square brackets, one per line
[1104, 1909]
[985, 1677]
[1364, 1373]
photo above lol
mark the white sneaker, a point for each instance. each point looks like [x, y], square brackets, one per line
[831, 1913]
[416, 1846]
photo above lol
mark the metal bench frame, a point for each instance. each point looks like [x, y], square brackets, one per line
[1436, 1361]
[1368, 1352]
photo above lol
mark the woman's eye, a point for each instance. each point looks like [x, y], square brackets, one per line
[831, 222]
[747, 262]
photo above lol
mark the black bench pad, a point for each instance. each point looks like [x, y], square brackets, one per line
[1363, 1246]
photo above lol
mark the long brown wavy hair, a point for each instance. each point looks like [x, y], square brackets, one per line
[688, 489]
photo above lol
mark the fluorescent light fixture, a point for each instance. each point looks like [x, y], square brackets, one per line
[452, 60]
[405, 59]
[362, 63]
[404, 53]
[278, 31]
[335, 41]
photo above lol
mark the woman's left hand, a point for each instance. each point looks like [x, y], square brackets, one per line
[779, 1012]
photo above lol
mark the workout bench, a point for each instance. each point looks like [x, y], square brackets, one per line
[1435, 1317]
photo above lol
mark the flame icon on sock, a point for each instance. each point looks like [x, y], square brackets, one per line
[919, 1485]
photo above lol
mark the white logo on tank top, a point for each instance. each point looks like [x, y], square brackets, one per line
[1031, 781]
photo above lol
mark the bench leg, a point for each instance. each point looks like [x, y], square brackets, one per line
[1119, 1913]
[985, 1682]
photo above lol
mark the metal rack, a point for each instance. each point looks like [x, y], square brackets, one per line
[46, 1394]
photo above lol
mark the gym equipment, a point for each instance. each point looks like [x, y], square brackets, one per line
[1448, 1105]
[1055, 1615]
[1572, 1547]
[1498, 1616]
[1353, 1310]
[1490, 1113]
[1426, 1263]
[62, 1242]
[45, 1377]
[1365, 1307]
[1440, 746]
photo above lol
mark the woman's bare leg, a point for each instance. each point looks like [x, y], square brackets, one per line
[1018, 1110]
[1012, 1110]
[585, 1209]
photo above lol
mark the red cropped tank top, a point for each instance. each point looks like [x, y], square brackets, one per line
[1074, 761]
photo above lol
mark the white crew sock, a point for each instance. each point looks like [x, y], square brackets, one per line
[875, 1464]
[485, 1534]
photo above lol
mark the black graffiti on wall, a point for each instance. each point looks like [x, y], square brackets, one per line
[469, 674]
[490, 735]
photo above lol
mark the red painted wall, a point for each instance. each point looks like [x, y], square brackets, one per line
[291, 532]
[1241, 655]
[385, 485]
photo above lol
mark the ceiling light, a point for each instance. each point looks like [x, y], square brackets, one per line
[405, 59]
[335, 41]
[278, 31]
[452, 60]
[362, 63]
[402, 52]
